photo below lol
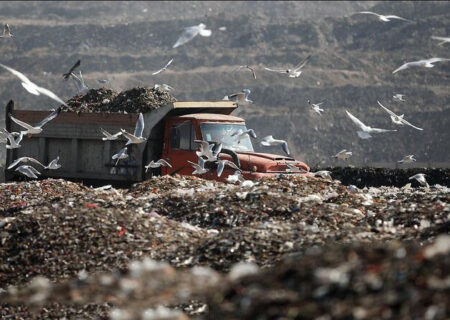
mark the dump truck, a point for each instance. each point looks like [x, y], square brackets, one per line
[171, 131]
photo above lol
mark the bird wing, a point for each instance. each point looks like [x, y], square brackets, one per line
[51, 95]
[378, 130]
[106, 133]
[18, 74]
[188, 34]
[369, 12]
[302, 63]
[397, 17]
[139, 126]
[164, 163]
[387, 110]
[76, 65]
[26, 171]
[204, 145]
[357, 121]
[433, 60]
[232, 165]
[274, 70]
[21, 123]
[409, 124]
[205, 32]
[35, 161]
[51, 116]
[441, 38]
[402, 67]
[220, 167]
[33, 169]
[12, 165]
[194, 165]
[252, 133]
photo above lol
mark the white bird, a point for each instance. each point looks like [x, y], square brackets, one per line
[190, 33]
[407, 159]
[163, 68]
[325, 174]
[29, 171]
[14, 143]
[122, 154]
[53, 165]
[109, 136]
[207, 149]
[200, 167]
[237, 176]
[385, 18]
[398, 119]
[443, 40]
[103, 81]
[163, 86]
[246, 67]
[137, 136]
[316, 107]
[420, 177]
[399, 97]
[365, 131]
[33, 88]
[240, 97]
[79, 82]
[157, 164]
[295, 72]
[37, 128]
[426, 63]
[270, 141]
[25, 160]
[241, 134]
[6, 32]
[343, 154]
[221, 166]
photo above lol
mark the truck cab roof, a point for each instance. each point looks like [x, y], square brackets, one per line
[211, 117]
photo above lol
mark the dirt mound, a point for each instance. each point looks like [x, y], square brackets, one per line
[134, 100]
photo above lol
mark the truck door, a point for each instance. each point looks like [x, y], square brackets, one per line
[180, 147]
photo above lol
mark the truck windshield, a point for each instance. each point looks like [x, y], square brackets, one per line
[222, 132]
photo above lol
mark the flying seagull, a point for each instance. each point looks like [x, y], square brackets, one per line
[407, 159]
[6, 32]
[190, 33]
[221, 165]
[163, 68]
[427, 63]
[240, 97]
[420, 177]
[200, 167]
[295, 72]
[29, 171]
[157, 164]
[399, 97]
[316, 107]
[79, 82]
[37, 128]
[365, 131]
[122, 154]
[385, 18]
[66, 76]
[270, 141]
[443, 40]
[53, 165]
[207, 149]
[137, 136]
[13, 142]
[25, 160]
[241, 134]
[325, 174]
[398, 119]
[109, 136]
[246, 67]
[343, 154]
[33, 88]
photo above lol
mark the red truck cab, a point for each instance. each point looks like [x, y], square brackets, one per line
[179, 147]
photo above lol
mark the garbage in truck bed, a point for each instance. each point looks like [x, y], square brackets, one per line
[135, 100]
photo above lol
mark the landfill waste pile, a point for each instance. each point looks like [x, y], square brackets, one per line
[134, 100]
[314, 247]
